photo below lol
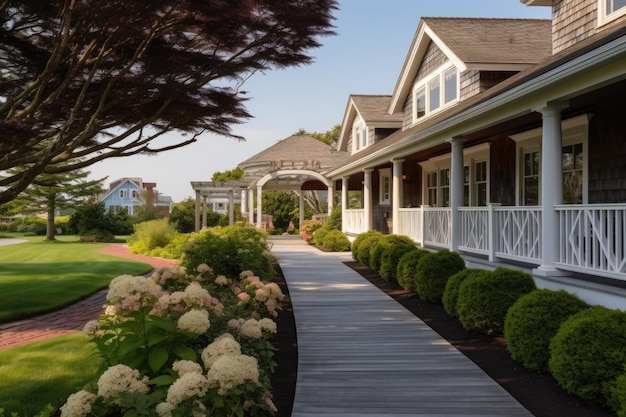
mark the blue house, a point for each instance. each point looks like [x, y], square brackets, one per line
[131, 193]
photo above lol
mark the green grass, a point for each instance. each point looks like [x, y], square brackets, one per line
[41, 373]
[41, 276]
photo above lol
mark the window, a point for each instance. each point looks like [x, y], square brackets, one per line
[610, 10]
[135, 193]
[530, 188]
[431, 187]
[435, 92]
[444, 185]
[573, 174]
[359, 134]
[385, 186]
[124, 193]
[480, 183]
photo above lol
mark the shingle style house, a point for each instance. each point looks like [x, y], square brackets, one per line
[130, 193]
[504, 140]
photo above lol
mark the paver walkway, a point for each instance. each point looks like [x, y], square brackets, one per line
[360, 353]
[69, 319]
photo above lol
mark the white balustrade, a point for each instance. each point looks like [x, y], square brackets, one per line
[517, 233]
[411, 223]
[437, 223]
[354, 221]
[474, 229]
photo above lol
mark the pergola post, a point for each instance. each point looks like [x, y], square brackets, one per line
[197, 217]
[259, 206]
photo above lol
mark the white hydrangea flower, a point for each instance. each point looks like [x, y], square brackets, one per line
[165, 409]
[121, 378]
[222, 345]
[78, 404]
[204, 268]
[268, 325]
[229, 371]
[128, 293]
[91, 327]
[221, 280]
[189, 385]
[195, 321]
[196, 296]
[251, 328]
[185, 367]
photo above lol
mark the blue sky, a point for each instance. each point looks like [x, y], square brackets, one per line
[365, 57]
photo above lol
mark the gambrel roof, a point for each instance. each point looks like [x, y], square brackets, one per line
[373, 110]
[475, 43]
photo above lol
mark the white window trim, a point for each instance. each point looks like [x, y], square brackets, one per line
[604, 18]
[123, 193]
[359, 126]
[384, 173]
[471, 155]
[424, 84]
[573, 130]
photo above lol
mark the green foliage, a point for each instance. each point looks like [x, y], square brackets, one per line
[91, 221]
[407, 267]
[174, 249]
[229, 251]
[310, 226]
[228, 175]
[375, 258]
[390, 259]
[282, 206]
[366, 246]
[183, 216]
[485, 299]
[587, 354]
[358, 240]
[334, 220]
[619, 395]
[151, 235]
[533, 321]
[334, 240]
[433, 272]
[329, 137]
[451, 292]
[319, 235]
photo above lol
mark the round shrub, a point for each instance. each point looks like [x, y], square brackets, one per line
[533, 320]
[391, 257]
[485, 299]
[407, 266]
[319, 235]
[151, 235]
[433, 272]
[366, 246]
[335, 241]
[451, 292]
[358, 240]
[588, 353]
[376, 253]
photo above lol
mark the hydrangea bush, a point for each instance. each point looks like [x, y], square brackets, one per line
[183, 344]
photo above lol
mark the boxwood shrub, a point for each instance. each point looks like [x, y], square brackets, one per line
[407, 266]
[451, 291]
[588, 354]
[364, 239]
[390, 259]
[334, 240]
[533, 320]
[485, 299]
[433, 272]
[386, 241]
[619, 395]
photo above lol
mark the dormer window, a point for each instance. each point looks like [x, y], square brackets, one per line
[359, 135]
[610, 10]
[435, 92]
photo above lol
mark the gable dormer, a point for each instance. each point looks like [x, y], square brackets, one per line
[453, 59]
[575, 20]
[366, 122]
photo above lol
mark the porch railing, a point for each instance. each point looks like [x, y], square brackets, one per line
[593, 239]
[437, 224]
[411, 223]
[354, 221]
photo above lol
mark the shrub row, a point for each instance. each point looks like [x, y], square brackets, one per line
[329, 235]
[582, 347]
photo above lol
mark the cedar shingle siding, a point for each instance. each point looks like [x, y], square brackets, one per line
[573, 21]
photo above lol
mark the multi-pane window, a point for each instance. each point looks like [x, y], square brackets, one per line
[530, 189]
[436, 91]
[611, 9]
[449, 84]
[573, 174]
[420, 103]
[466, 186]
[431, 188]
[359, 135]
[135, 193]
[124, 193]
[613, 6]
[444, 181]
[480, 183]
[385, 186]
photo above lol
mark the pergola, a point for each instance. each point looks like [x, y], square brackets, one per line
[297, 163]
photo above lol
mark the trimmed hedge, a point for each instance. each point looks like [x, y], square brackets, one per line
[451, 292]
[485, 299]
[361, 248]
[588, 354]
[334, 240]
[433, 272]
[390, 259]
[533, 321]
[358, 240]
[407, 266]
[619, 395]
[375, 259]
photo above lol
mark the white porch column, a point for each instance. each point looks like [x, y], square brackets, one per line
[244, 202]
[301, 207]
[231, 208]
[331, 198]
[551, 186]
[259, 206]
[344, 202]
[367, 199]
[205, 213]
[397, 196]
[251, 206]
[457, 180]
[197, 219]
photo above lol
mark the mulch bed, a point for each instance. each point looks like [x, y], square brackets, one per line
[539, 393]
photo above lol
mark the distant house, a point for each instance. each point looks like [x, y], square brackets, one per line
[131, 193]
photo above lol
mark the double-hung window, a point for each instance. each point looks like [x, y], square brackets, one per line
[359, 135]
[435, 92]
[124, 193]
[385, 186]
[609, 10]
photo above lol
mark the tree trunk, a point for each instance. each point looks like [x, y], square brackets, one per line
[50, 225]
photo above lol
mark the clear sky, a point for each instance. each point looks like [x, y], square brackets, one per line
[365, 57]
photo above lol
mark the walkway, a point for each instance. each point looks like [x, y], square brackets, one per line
[362, 354]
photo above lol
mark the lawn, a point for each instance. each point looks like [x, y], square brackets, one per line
[41, 276]
[35, 375]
